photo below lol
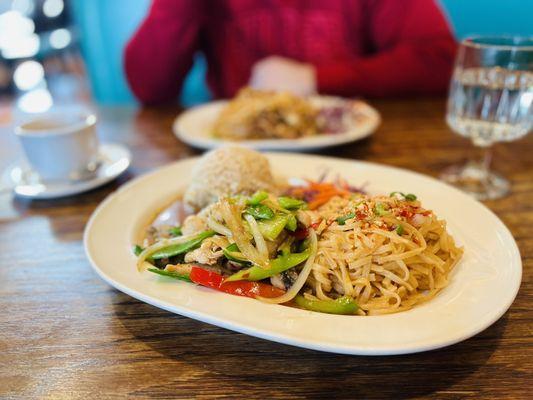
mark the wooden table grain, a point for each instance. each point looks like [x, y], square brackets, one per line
[65, 334]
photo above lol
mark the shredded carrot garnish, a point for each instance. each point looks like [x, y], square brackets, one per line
[319, 193]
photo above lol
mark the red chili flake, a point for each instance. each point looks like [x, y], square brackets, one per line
[407, 213]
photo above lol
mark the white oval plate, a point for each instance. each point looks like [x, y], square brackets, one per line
[483, 285]
[195, 127]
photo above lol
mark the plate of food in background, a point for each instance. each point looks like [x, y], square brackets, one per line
[263, 244]
[265, 120]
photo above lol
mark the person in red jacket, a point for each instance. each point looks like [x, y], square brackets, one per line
[372, 48]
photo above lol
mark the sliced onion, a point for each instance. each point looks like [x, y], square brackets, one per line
[233, 220]
[218, 227]
[302, 277]
[259, 239]
[418, 220]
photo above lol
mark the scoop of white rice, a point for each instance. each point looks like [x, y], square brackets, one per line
[228, 171]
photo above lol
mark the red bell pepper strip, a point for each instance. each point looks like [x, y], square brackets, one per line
[300, 233]
[215, 281]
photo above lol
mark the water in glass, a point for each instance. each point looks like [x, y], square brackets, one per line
[491, 104]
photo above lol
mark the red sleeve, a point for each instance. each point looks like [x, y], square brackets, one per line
[161, 52]
[413, 52]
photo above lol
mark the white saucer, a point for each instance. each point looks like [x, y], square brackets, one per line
[114, 159]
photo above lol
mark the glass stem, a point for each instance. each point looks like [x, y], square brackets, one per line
[486, 161]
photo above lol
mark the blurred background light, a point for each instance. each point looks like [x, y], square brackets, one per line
[25, 7]
[17, 36]
[35, 101]
[60, 38]
[14, 23]
[40, 61]
[52, 8]
[22, 47]
[28, 74]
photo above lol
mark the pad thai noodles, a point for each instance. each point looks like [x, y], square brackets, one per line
[321, 246]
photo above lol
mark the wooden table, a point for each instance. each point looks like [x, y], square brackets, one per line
[65, 334]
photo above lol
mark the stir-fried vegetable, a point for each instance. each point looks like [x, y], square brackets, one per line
[342, 220]
[265, 236]
[175, 231]
[259, 240]
[170, 274]
[278, 265]
[342, 305]
[216, 281]
[275, 216]
[302, 277]
[300, 233]
[399, 229]
[380, 209]
[408, 196]
[232, 215]
[292, 222]
[181, 248]
[137, 250]
[232, 253]
[285, 247]
[257, 198]
[271, 228]
[260, 211]
[290, 203]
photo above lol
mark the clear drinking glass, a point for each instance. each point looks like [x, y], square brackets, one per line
[490, 100]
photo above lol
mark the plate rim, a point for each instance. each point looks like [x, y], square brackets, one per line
[285, 145]
[284, 338]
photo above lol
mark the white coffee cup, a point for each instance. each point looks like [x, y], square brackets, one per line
[61, 146]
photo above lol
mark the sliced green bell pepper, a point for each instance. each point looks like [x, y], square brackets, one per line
[285, 247]
[175, 231]
[170, 274]
[270, 229]
[278, 265]
[260, 211]
[292, 223]
[343, 305]
[181, 248]
[290, 203]
[233, 253]
[257, 198]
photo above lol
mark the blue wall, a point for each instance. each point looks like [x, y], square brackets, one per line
[469, 17]
[105, 25]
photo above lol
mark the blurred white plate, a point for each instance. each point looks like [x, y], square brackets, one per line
[482, 287]
[195, 127]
